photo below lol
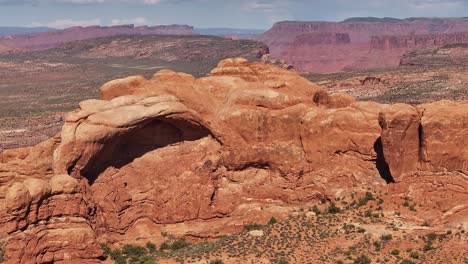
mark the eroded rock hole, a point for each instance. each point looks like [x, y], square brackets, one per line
[381, 164]
[125, 147]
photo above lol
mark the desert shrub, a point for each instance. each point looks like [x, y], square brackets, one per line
[254, 226]
[431, 236]
[164, 246]
[428, 246]
[368, 213]
[282, 261]
[129, 254]
[377, 246]
[395, 252]
[151, 247]
[362, 260]
[316, 210]
[2, 253]
[339, 262]
[272, 221]
[133, 251]
[216, 261]
[179, 244]
[368, 197]
[414, 254]
[333, 209]
[386, 237]
[406, 261]
[106, 249]
[137, 254]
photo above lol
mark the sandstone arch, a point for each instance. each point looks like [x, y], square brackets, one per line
[126, 146]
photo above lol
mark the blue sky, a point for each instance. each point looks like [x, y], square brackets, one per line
[259, 14]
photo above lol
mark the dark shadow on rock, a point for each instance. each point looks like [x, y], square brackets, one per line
[381, 164]
[127, 146]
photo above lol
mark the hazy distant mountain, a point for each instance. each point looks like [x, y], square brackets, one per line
[228, 31]
[46, 40]
[6, 31]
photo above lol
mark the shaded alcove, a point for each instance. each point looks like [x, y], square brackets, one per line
[124, 147]
[381, 164]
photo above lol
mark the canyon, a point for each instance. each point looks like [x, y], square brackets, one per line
[359, 43]
[202, 158]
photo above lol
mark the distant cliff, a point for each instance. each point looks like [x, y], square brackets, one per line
[417, 41]
[45, 40]
[9, 31]
[300, 43]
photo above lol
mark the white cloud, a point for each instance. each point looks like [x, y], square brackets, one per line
[136, 21]
[272, 10]
[66, 23]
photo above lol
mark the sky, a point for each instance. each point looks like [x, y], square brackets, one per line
[253, 14]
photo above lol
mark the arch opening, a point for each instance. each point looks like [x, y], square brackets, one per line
[127, 146]
[381, 164]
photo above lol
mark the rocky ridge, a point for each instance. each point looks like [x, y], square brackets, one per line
[55, 38]
[455, 54]
[203, 157]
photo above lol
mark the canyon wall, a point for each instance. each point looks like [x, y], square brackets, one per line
[45, 40]
[369, 43]
[200, 158]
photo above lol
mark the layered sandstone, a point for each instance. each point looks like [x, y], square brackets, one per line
[373, 43]
[55, 38]
[203, 157]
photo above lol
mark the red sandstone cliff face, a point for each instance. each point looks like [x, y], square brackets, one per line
[45, 40]
[368, 42]
[203, 157]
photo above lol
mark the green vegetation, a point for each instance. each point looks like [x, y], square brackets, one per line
[2, 253]
[414, 255]
[164, 246]
[272, 221]
[216, 261]
[179, 244]
[129, 254]
[364, 200]
[395, 252]
[386, 237]
[406, 261]
[377, 246]
[151, 248]
[254, 226]
[316, 210]
[362, 260]
[333, 209]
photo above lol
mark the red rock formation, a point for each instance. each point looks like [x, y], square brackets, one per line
[368, 46]
[203, 157]
[45, 40]
[417, 41]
